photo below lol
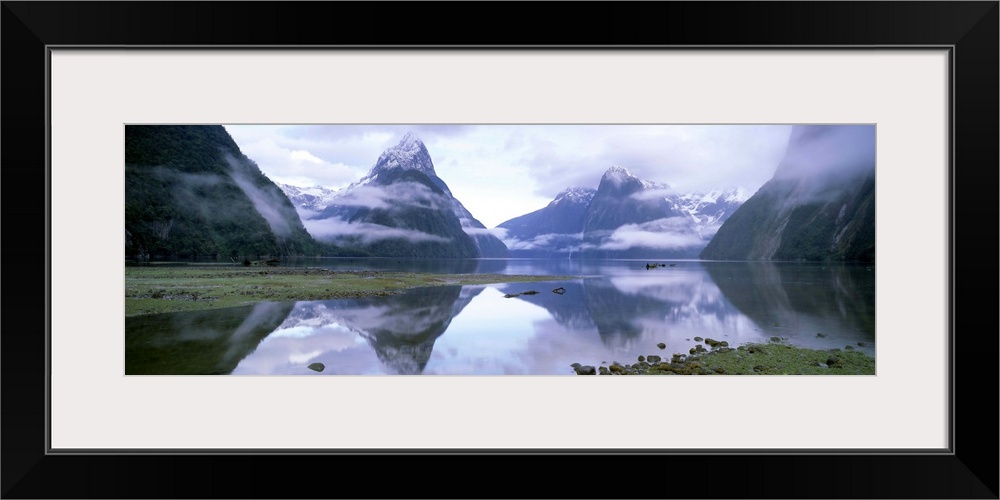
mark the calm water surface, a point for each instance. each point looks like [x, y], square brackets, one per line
[616, 311]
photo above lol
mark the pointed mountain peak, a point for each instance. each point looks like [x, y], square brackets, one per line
[410, 142]
[619, 176]
[616, 171]
[409, 154]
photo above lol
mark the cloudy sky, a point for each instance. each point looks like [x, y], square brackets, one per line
[502, 171]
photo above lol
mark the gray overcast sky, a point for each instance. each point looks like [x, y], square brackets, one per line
[502, 171]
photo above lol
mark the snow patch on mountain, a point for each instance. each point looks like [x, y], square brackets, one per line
[617, 175]
[314, 198]
[575, 195]
[410, 154]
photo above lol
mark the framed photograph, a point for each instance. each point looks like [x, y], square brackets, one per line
[92, 389]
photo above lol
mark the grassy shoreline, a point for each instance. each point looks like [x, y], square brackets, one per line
[774, 358]
[160, 289]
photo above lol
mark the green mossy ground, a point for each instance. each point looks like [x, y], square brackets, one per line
[160, 289]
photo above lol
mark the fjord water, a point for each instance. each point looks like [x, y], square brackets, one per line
[615, 311]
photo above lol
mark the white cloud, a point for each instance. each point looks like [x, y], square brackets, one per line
[266, 203]
[669, 233]
[401, 194]
[477, 231]
[547, 241]
[653, 194]
[334, 229]
[305, 156]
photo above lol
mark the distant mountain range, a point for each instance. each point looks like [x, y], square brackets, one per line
[625, 217]
[400, 209]
[820, 204]
[312, 199]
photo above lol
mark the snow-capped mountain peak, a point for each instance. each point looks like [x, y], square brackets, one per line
[737, 195]
[402, 198]
[410, 153]
[617, 175]
[410, 142]
[624, 216]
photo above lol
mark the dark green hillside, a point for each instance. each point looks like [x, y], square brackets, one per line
[819, 206]
[740, 236]
[190, 192]
[838, 225]
[842, 229]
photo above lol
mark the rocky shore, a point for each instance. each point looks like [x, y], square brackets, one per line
[769, 358]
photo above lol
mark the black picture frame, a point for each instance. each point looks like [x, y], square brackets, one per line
[970, 29]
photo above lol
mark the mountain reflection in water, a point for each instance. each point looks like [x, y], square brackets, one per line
[619, 311]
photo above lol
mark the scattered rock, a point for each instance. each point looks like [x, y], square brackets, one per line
[834, 362]
[698, 339]
[559, 290]
[530, 292]
[652, 358]
[604, 370]
[511, 295]
[317, 367]
[820, 335]
[661, 345]
[584, 369]
[642, 358]
[861, 344]
[849, 347]
[775, 339]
